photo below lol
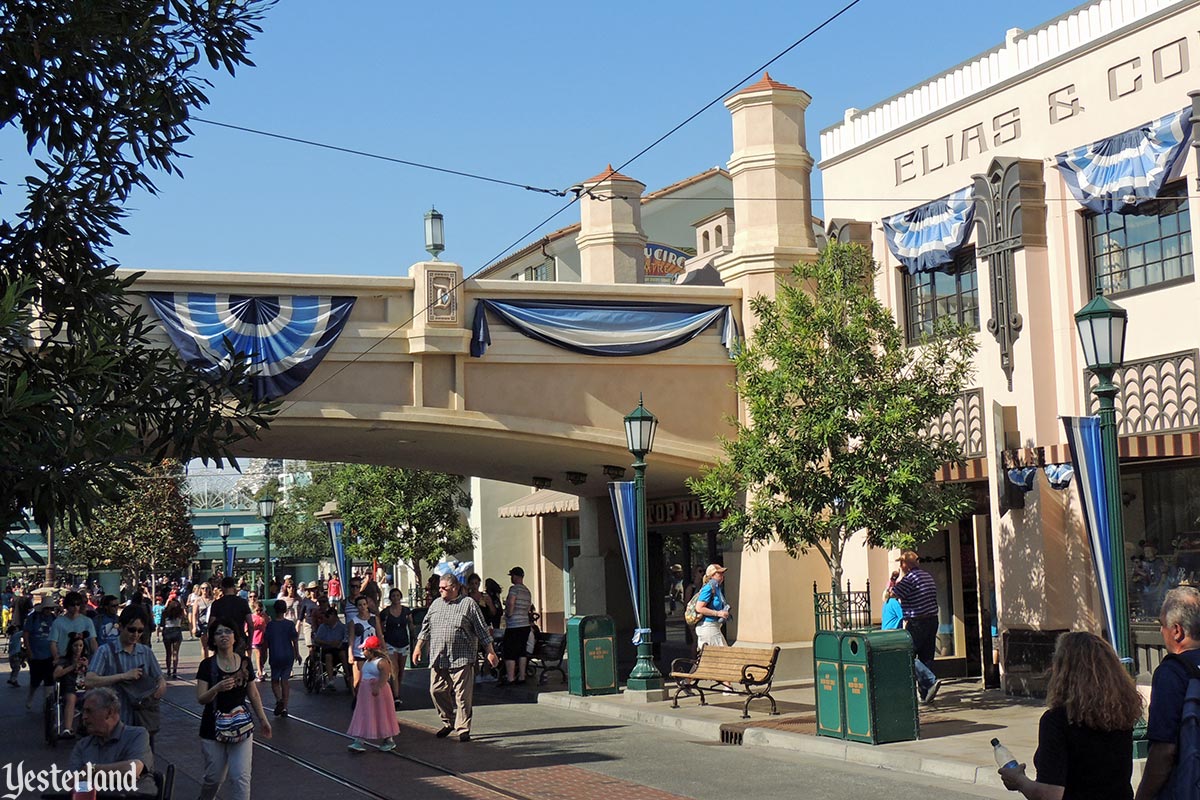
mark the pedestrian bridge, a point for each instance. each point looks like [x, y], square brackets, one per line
[400, 386]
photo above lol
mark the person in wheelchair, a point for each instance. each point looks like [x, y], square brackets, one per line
[69, 673]
[333, 643]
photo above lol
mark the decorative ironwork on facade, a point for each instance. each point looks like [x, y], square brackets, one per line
[1154, 394]
[964, 423]
[839, 611]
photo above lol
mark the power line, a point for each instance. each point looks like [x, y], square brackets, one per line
[378, 157]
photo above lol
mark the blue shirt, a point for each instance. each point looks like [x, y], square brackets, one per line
[1167, 690]
[893, 615]
[712, 596]
[38, 625]
[107, 628]
[279, 638]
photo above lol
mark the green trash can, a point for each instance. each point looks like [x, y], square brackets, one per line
[879, 693]
[827, 673]
[591, 656]
[418, 616]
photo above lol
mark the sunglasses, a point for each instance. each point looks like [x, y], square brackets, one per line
[136, 630]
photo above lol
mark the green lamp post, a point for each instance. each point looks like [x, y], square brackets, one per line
[223, 526]
[266, 510]
[1101, 324]
[640, 426]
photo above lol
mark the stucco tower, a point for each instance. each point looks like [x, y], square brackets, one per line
[612, 245]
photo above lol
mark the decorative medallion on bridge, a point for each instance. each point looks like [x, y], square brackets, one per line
[282, 337]
[441, 301]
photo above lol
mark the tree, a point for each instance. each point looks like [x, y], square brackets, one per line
[839, 438]
[149, 531]
[399, 514]
[295, 528]
[102, 92]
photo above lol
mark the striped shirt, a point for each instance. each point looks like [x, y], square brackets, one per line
[522, 602]
[454, 631]
[918, 594]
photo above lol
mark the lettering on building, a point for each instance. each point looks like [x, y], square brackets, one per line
[679, 511]
[1125, 79]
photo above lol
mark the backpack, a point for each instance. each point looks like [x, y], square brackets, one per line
[1184, 783]
[690, 615]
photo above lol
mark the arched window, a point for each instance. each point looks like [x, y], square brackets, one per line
[704, 245]
[720, 237]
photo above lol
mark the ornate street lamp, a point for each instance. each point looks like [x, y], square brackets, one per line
[640, 426]
[223, 526]
[435, 233]
[266, 510]
[1101, 324]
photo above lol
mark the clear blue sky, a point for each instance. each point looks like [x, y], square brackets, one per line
[539, 93]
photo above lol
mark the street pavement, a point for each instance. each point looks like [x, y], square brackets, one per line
[522, 747]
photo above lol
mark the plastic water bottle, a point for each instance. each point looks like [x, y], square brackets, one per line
[83, 791]
[1004, 757]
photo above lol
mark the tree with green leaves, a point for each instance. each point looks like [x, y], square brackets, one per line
[407, 515]
[295, 528]
[102, 92]
[838, 438]
[149, 531]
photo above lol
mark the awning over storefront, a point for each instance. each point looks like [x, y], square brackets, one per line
[543, 501]
[1117, 173]
[927, 237]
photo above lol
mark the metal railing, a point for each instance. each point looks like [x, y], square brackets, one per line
[836, 610]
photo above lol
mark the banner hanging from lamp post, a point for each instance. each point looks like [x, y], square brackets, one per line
[339, 551]
[230, 558]
[624, 501]
[1087, 454]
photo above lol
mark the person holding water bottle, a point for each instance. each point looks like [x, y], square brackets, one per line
[1085, 737]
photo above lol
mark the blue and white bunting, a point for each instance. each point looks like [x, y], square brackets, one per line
[230, 559]
[1059, 475]
[926, 238]
[1083, 437]
[283, 338]
[339, 552]
[624, 502]
[1117, 173]
[604, 328]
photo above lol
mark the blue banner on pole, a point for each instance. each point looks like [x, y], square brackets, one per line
[1087, 454]
[624, 501]
[230, 558]
[339, 552]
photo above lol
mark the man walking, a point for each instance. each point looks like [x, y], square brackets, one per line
[1180, 624]
[453, 628]
[917, 593]
[73, 623]
[37, 641]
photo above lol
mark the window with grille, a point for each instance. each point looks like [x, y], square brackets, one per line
[1143, 249]
[951, 293]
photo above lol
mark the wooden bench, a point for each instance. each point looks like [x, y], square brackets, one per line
[548, 654]
[743, 671]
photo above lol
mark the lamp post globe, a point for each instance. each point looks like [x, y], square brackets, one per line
[435, 233]
[1102, 325]
[640, 426]
[266, 510]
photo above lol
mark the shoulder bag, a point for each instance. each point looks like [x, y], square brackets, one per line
[235, 725]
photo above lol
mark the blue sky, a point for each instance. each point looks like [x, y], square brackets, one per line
[537, 93]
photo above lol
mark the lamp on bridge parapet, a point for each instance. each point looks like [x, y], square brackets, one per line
[223, 526]
[435, 233]
[640, 426]
[266, 510]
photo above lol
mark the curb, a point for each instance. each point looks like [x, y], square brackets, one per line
[634, 713]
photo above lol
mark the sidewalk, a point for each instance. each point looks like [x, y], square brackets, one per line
[956, 730]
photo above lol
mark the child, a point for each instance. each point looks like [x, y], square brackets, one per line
[375, 712]
[157, 611]
[15, 661]
[280, 642]
[70, 671]
[258, 624]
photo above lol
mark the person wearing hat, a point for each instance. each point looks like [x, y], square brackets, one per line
[713, 608]
[37, 640]
[375, 712]
[518, 622]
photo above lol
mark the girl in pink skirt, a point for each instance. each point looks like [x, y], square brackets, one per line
[375, 712]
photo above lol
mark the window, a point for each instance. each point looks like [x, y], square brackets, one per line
[951, 293]
[542, 272]
[1129, 252]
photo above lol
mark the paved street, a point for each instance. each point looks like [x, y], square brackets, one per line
[521, 750]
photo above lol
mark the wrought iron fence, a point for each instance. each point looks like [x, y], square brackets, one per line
[839, 611]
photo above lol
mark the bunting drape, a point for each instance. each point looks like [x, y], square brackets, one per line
[624, 501]
[927, 237]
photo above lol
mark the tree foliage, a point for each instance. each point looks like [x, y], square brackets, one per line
[407, 515]
[295, 528]
[150, 530]
[102, 93]
[839, 438]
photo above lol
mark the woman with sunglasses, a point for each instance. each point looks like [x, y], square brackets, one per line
[132, 669]
[225, 687]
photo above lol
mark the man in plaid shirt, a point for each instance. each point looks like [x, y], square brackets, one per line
[453, 629]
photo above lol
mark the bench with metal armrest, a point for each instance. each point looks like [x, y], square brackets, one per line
[548, 654]
[745, 671]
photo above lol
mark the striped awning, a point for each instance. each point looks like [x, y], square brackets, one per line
[926, 238]
[543, 501]
[1117, 173]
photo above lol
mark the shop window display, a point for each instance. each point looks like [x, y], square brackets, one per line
[1162, 515]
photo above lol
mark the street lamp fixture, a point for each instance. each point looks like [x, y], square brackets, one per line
[640, 426]
[576, 478]
[223, 526]
[1101, 325]
[613, 472]
[266, 510]
[435, 233]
